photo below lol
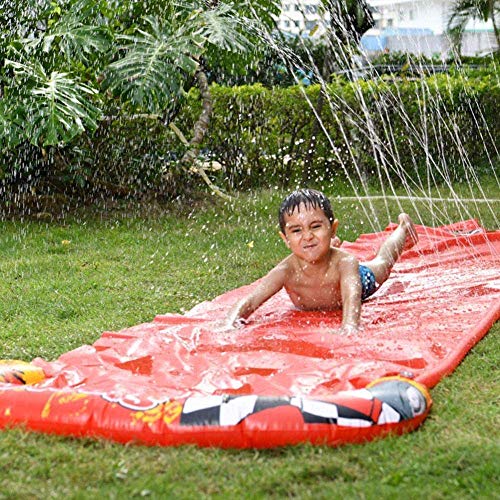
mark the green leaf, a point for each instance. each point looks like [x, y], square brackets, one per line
[56, 106]
[79, 33]
[11, 130]
[223, 28]
[155, 65]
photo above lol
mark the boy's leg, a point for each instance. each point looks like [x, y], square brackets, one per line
[403, 238]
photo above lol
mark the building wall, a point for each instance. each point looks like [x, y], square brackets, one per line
[423, 14]
[301, 17]
[427, 45]
[430, 45]
[427, 14]
[430, 15]
[478, 42]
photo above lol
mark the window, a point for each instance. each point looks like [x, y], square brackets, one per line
[286, 7]
[286, 24]
[297, 24]
[310, 25]
[311, 9]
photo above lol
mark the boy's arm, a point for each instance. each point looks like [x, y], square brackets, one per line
[270, 284]
[350, 289]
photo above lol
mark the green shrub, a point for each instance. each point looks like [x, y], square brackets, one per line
[418, 131]
[378, 129]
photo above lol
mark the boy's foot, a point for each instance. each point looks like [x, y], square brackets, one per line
[406, 223]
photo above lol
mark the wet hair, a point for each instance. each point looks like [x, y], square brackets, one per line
[310, 198]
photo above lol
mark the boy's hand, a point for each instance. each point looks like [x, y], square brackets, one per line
[228, 324]
[239, 323]
[347, 330]
[335, 242]
[224, 331]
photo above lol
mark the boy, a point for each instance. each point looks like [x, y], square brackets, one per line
[317, 275]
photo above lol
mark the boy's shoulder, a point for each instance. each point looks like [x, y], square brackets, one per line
[287, 264]
[339, 255]
[344, 262]
[287, 268]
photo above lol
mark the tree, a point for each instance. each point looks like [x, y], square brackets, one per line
[61, 61]
[47, 95]
[347, 21]
[181, 45]
[464, 10]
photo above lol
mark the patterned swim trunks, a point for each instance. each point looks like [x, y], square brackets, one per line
[368, 283]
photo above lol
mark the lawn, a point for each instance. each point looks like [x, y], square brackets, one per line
[65, 281]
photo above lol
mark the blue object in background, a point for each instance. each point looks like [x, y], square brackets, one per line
[378, 42]
[374, 42]
[305, 78]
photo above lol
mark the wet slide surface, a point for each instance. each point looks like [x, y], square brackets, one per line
[143, 383]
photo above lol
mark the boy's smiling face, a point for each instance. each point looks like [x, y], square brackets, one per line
[308, 233]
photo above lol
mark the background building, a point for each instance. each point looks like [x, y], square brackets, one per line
[301, 17]
[415, 26]
[419, 27]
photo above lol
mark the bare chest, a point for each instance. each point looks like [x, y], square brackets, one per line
[316, 292]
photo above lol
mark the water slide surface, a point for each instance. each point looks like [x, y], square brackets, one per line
[284, 378]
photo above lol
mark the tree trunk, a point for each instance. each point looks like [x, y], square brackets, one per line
[201, 125]
[190, 157]
[493, 20]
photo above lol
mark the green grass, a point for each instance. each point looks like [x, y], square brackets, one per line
[63, 283]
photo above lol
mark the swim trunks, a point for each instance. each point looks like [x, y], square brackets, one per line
[368, 283]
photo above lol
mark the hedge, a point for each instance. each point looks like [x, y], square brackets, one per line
[398, 130]
[378, 129]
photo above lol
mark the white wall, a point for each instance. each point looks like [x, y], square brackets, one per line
[428, 14]
[432, 15]
[300, 16]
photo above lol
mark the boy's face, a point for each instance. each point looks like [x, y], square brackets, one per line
[308, 233]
